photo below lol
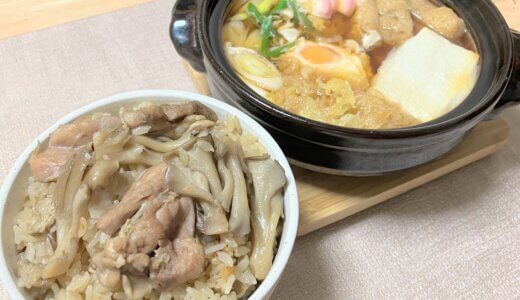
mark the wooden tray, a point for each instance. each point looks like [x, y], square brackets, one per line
[325, 199]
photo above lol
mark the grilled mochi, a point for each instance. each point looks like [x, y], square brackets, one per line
[427, 75]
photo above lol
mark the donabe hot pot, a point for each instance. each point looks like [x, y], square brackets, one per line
[196, 34]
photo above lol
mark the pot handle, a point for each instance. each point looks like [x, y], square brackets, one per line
[183, 32]
[512, 94]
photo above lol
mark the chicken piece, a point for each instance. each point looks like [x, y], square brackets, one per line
[442, 20]
[147, 231]
[155, 180]
[268, 181]
[46, 165]
[395, 21]
[169, 213]
[150, 116]
[139, 261]
[81, 131]
[162, 218]
[108, 262]
[155, 222]
[182, 259]
[176, 111]
[151, 183]
[63, 143]
[179, 261]
[154, 118]
[158, 238]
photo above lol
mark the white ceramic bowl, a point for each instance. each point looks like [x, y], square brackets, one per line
[14, 189]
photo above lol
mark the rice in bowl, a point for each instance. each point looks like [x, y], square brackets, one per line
[229, 255]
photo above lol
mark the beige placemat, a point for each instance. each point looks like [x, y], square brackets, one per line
[458, 237]
[21, 16]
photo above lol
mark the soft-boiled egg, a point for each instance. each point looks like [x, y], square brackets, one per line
[427, 75]
[331, 61]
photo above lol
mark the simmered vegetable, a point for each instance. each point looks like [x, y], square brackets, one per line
[255, 68]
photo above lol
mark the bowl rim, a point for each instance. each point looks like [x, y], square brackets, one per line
[490, 97]
[291, 209]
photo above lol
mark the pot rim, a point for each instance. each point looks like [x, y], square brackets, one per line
[490, 98]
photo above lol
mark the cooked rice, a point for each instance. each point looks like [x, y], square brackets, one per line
[227, 273]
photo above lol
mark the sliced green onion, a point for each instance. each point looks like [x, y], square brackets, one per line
[255, 14]
[260, 19]
[277, 51]
[282, 4]
[306, 22]
[267, 31]
[265, 47]
[295, 12]
[300, 16]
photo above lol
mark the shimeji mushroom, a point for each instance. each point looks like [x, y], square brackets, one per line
[71, 197]
[186, 182]
[239, 216]
[201, 160]
[226, 194]
[267, 207]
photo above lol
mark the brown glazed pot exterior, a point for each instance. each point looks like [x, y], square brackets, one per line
[196, 34]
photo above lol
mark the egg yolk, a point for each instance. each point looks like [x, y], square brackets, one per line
[318, 54]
